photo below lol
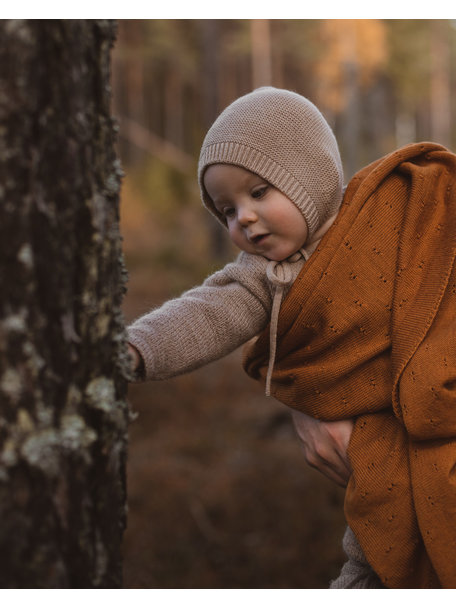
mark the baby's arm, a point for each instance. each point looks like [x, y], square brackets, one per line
[325, 445]
[205, 323]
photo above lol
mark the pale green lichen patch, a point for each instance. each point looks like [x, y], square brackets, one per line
[37, 361]
[8, 456]
[112, 184]
[25, 256]
[75, 434]
[24, 421]
[103, 324]
[100, 394]
[44, 415]
[73, 398]
[99, 215]
[43, 449]
[15, 323]
[11, 384]
[40, 450]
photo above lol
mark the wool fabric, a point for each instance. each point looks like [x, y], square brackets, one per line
[367, 331]
[282, 137]
[356, 573]
[209, 321]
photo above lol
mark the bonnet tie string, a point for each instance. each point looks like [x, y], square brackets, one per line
[280, 276]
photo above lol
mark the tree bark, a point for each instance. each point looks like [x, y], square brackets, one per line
[63, 363]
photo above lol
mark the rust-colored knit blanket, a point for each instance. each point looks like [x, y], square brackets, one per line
[368, 331]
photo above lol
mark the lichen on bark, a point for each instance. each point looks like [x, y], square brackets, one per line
[63, 360]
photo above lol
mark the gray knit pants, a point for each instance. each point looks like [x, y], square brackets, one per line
[356, 573]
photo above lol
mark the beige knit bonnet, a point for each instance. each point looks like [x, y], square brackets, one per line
[282, 137]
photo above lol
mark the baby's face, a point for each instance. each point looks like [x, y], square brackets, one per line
[260, 219]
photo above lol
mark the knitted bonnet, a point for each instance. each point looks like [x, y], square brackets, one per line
[282, 137]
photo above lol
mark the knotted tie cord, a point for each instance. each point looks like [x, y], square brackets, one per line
[280, 276]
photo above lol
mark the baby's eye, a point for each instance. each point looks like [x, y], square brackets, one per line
[228, 212]
[259, 192]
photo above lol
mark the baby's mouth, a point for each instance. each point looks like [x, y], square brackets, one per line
[256, 240]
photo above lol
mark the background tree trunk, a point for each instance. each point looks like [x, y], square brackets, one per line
[440, 90]
[210, 30]
[63, 413]
[261, 53]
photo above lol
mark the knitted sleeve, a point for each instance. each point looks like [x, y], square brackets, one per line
[206, 322]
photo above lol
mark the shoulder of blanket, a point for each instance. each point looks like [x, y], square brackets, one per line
[427, 241]
[374, 172]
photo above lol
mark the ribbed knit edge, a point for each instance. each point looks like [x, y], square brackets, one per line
[135, 336]
[248, 158]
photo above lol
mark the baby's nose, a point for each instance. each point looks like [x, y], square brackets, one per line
[246, 215]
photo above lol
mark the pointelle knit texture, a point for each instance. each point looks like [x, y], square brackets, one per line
[367, 331]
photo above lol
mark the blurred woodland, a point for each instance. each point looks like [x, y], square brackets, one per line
[219, 493]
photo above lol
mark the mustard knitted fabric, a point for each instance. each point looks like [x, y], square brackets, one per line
[282, 137]
[367, 331]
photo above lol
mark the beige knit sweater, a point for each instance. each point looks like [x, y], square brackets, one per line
[208, 322]
[282, 137]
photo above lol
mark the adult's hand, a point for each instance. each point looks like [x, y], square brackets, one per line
[325, 445]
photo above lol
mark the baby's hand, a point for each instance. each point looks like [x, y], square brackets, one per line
[325, 445]
[135, 356]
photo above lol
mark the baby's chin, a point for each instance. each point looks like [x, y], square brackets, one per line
[278, 258]
[281, 257]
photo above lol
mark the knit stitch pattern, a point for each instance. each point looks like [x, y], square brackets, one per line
[209, 321]
[368, 331]
[356, 573]
[282, 137]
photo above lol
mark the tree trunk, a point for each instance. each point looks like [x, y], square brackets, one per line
[63, 364]
[261, 52]
[440, 82]
[210, 34]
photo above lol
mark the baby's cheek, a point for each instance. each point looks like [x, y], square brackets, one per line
[239, 239]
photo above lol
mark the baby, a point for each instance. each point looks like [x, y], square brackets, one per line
[325, 317]
[271, 172]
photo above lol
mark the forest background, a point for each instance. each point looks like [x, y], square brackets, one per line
[219, 493]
